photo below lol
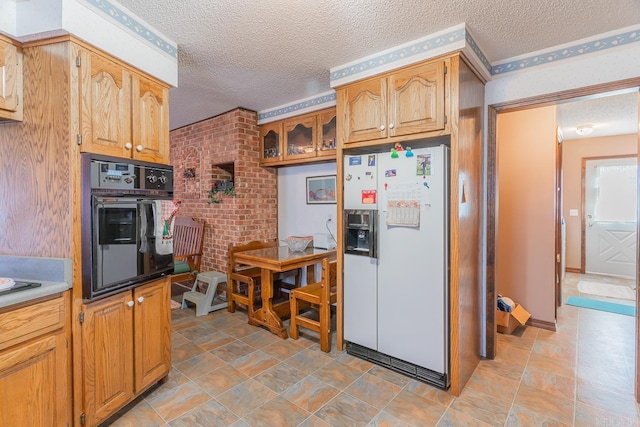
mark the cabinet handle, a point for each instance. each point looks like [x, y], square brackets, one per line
[140, 299]
[139, 148]
[390, 125]
[381, 127]
[130, 304]
[128, 146]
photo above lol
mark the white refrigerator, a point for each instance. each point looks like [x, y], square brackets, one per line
[396, 299]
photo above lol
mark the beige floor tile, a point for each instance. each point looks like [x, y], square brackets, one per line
[521, 417]
[346, 411]
[489, 381]
[429, 392]
[590, 416]
[310, 394]
[245, 397]
[414, 409]
[221, 380]
[283, 349]
[199, 365]
[373, 390]
[260, 338]
[280, 377]
[254, 363]
[557, 385]
[210, 413]
[142, 415]
[277, 412]
[545, 404]
[185, 352]
[454, 418]
[232, 351]
[604, 398]
[309, 361]
[214, 340]
[338, 375]
[178, 401]
[385, 420]
[482, 406]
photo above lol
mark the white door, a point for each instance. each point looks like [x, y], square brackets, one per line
[610, 216]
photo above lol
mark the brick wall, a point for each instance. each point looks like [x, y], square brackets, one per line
[214, 148]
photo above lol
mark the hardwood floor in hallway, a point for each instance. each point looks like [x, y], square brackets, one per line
[228, 373]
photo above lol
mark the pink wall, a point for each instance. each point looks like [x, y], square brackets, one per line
[525, 252]
[573, 151]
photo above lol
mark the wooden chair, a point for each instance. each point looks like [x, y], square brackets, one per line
[320, 295]
[188, 236]
[243, 281]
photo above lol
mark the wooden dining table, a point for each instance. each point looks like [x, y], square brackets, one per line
[276, 260]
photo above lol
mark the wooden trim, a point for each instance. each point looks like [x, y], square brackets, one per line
[542, 324]
[573, 270]
[558, 219]
[490, 242]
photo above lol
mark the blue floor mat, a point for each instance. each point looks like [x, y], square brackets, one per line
[612, 307]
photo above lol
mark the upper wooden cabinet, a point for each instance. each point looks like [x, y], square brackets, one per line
[271, 143]
[126, 340]
[297, 140]
[10, 80]
[395, 105]
[123, 114]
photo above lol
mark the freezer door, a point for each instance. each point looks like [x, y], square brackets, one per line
[360, 185]
[413, 258]
[360, 300]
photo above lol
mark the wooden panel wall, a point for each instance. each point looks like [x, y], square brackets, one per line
[466, 204]
[35, 201]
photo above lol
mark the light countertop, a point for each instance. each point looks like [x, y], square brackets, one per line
[53, 273]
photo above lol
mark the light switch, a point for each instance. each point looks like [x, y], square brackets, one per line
[573, 212]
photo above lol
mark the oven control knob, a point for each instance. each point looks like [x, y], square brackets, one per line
[162, 179]
[152, 179]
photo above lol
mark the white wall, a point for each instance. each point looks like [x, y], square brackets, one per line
[8, 16]
[33, 19]
[295, 216]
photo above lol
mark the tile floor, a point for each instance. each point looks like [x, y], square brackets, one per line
[228, 373]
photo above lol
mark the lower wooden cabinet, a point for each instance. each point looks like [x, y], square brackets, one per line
[126, 345]
[34, 365]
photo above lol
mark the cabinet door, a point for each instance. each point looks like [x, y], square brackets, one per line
[105, 98]
[9, 69]
[326, 141]
[150, 120]
[300, 137]
[107, 344]
[416, 100]
[363, 109]
[152, 330]
[271, 143]
[33, 383]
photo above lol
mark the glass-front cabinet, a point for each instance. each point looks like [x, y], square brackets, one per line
[326, 133]
[271, 143]
[299, 137]
[298, 140]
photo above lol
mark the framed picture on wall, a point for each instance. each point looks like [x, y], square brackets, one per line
[321, 189]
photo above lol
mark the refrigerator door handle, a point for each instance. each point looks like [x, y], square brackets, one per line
[373, 253]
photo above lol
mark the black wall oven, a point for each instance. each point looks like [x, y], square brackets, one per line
[125, 206]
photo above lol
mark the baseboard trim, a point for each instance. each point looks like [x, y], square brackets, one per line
[573, 270]
[542, 324]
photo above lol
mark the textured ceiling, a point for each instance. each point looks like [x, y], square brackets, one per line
[263, 54]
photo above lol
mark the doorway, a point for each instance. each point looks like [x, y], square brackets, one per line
[492, 196]
[610, 208]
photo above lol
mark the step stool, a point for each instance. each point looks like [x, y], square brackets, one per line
[205, 302]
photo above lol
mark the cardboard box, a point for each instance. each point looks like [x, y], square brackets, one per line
[508, 322]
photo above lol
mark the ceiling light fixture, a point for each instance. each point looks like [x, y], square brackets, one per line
[583, 130]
